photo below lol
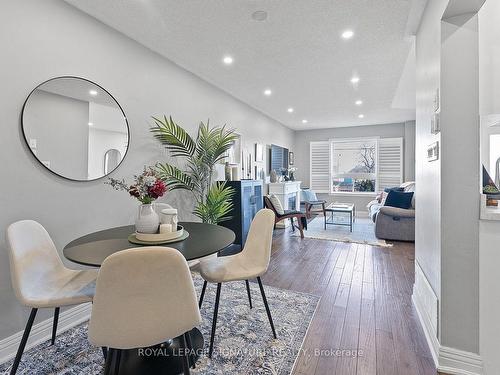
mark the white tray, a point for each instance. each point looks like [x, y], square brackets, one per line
[157, 237]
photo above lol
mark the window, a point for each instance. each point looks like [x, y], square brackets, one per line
[361, 166]
[353, 166]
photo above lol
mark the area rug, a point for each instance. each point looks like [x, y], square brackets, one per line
[363, 231]
[244, 343]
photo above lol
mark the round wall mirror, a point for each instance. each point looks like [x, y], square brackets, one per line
[71, 125]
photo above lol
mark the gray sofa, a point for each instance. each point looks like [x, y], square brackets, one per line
[393, 223]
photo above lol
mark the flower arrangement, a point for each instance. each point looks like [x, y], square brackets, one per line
[147, 186]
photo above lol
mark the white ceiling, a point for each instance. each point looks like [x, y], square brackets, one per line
[297, 52]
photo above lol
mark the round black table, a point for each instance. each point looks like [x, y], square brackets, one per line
[204, 239]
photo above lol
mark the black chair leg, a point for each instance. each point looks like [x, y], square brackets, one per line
[104, 352]
[248, 292]
[118, 358]
[214, 320]
[185, 357]
[109, 360]
[24, 340]
[202, 293]
[267, 306]
[192, 355]
[54, 326]
[293, 225]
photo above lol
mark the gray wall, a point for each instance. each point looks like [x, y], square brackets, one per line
[60, 126]
[304, 137]
[447, 233]
[145, 84]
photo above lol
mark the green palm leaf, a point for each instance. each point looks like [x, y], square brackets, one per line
[173, 137]
[217, 206]
[174, 178]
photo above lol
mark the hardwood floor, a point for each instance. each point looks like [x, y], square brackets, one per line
[365, 306]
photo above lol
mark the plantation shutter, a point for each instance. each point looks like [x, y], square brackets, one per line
[319, 166]
[390, 162]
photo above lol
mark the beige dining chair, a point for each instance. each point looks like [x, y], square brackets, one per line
[40, 279]
[251, 262]
[144, 296]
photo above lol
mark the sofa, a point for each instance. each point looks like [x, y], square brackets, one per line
[392, 223]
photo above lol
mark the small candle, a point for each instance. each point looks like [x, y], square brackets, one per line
[165, 228]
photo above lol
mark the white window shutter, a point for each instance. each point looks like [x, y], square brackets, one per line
[319, 166]
[390, 162]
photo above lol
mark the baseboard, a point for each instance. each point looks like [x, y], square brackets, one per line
[447, 360]
[43, 331]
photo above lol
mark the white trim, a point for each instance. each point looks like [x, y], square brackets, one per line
[447, 360]
[43, 331]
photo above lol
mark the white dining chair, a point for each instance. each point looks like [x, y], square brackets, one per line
[251, 262]
[144, 296]
[40, 279]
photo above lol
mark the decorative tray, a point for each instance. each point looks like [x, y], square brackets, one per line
[158, 238]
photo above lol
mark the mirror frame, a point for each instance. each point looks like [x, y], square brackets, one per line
[40, 162]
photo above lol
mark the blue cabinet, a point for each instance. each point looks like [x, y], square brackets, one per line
[247, 201]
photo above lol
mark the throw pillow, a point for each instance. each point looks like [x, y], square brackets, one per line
[277, 204]
[396, 188]
[309, 195]
[399, 199]
[383, 198]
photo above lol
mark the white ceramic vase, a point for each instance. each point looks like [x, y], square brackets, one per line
[147, 220]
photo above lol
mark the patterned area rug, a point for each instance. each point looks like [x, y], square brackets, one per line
[243, 345]
[363, 231]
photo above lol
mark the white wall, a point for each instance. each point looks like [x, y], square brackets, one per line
[44, 39]
[304, 137]
[489, 231]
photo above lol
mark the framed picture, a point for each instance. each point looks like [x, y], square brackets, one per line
[291, 158]
[259, 152]
[433, 152]
[259, 173]
[233, 155]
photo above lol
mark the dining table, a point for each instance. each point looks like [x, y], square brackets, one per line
[203, 240]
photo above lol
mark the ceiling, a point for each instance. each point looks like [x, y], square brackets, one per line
[298, 53]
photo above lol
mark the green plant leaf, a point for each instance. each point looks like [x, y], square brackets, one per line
[217, 206]
[174, 178]
[173, 137]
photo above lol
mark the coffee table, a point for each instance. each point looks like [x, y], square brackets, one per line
[347, 208]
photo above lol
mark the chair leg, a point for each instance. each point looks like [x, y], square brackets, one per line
[22, 345]
[214, 320]
[293, 225]
[248, 292]
[202, 294]
[104, 352]
[109, 360]
[118, 358]
[190, 347]
[54, 326]
[301, 227]
[267, 306]
[185, 357]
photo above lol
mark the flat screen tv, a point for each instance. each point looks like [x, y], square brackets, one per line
[278, 159]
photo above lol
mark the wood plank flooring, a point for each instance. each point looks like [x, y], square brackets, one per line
[365, 306]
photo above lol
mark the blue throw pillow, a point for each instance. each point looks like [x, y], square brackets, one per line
[397, 188]
[399, 199]
[308, 196]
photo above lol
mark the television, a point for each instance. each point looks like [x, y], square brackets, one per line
[278, 158]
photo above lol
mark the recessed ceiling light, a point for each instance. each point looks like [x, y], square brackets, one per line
[361, 116]
[347, 34]
[259, 15]
[93, 92]
[267, 92]
[91, 123]
[304, 121]
[228, 60]
[355, 79]
[290, 110]
[358, 102]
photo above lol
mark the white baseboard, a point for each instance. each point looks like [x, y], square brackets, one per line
[447, 360]
[42, 331]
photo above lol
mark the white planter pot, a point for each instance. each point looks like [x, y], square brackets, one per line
[147, 220]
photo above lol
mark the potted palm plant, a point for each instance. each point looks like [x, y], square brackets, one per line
[212, 200]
